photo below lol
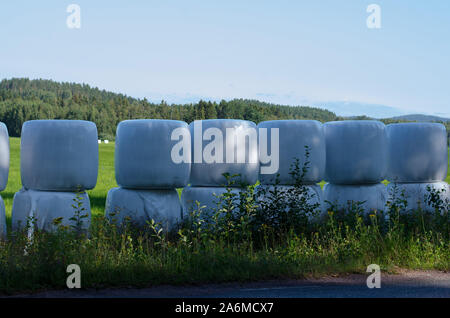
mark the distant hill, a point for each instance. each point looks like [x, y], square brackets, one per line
[356, 109]
[22, 99]
[420, 117]
[403, 118]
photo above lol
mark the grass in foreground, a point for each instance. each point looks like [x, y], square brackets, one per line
[131, 258]
[241, 241]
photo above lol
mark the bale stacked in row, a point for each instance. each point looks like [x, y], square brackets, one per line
[4, 171]
[356, 163]
[59, 161]
[220, 146]
[417, 162]
[152, 159]
[288, 141]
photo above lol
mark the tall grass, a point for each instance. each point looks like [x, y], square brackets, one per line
[241, 241]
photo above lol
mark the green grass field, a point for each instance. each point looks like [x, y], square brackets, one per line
[106, 179]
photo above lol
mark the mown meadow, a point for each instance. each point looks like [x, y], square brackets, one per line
[244, 246]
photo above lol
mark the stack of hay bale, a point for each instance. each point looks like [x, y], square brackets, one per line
[59, 160]
[417, 160]
[294, 136]
[220, 146]
[4, 170]
[147, 173]
[356, 163]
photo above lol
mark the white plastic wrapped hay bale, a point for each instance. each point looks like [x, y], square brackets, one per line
[141, 206]
[314, 197]
[149, 155]
[417, 152]
[356, 151]
[223, 146]
[4, 156]
[293, 136]
[2, 219]
[418, 195]
[344, 197]
[210, 198]
[59, 155]
[43, 207]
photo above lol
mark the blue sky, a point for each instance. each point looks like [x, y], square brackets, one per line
[292, 52]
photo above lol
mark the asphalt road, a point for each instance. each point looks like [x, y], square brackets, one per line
[433, 284]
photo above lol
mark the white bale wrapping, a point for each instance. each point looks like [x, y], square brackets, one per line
[211, 174]
[294, 135]
[4, 156]
[314, 193]
[417, 152]
[356, 151]
[59, 155]
[342, 196]
[417, 194]
[209, 197]
[141, 206]
[45, 206]
[143, 155]
[2, 219]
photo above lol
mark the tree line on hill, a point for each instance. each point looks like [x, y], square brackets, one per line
[22, 99]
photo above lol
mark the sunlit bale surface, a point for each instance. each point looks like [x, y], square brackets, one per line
[228, 154]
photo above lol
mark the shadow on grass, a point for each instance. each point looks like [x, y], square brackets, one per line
[7, 195]
[97, 202]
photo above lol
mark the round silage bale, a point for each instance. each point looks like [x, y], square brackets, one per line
[417, 152]
[149, 154]
[356, 151]
[59, 155]
[2, 219]
[41, 208]
[313, 198]
[223, 146]
[425, 196]
[368, 197]
[142, 206]
[210, 199]
[294, 136]
[4, 156]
